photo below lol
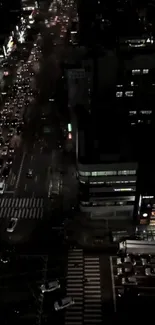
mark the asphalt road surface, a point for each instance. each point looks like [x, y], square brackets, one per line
[21, 287]
[39, 163]
[36, 155]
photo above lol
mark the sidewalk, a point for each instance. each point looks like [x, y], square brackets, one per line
[104, 224]
[96, 233]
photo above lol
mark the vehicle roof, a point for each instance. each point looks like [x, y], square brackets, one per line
[66, 300]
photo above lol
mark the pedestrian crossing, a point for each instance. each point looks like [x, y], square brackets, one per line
[92, 291]
[21, 208]
[74, 315]
[83, 285]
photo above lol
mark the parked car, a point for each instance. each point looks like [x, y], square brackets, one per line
[150, 271]
[50, 286]
[129, 281]
[12, 224]
[63, 303]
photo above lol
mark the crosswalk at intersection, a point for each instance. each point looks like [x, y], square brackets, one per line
[83, 285]
[21, 208]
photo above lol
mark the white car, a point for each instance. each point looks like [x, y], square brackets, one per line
[149, 271]
[129, 281]
[127, 259]
[143, 261]
[51, 286]
[119, 271]
[12, 224]
[64, 303]
[119, 261]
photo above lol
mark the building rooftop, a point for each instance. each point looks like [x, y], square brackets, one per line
[105, 139]
[147, 178]
[141, 61]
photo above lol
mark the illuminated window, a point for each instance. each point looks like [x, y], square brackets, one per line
[127, 172]
[146, 112]
[94, 174]
[124, 189]
[145, 71]
[136, 71]
[104, 173]
[129, 93]
[132, 112]
[150, 40]
[119, 94]
[107, 173]
[81, 173]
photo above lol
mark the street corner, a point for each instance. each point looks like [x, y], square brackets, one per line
[22, 234]
[83, 239]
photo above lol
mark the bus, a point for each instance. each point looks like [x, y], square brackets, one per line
[137, 247]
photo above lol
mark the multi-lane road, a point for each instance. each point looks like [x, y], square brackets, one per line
[38, 151]
[39, 162]
[36, 154]
[26, 198]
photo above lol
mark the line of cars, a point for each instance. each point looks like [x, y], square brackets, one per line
[60, 303]
[134, 279]
[11, 119]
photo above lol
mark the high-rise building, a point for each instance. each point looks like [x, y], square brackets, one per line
[115, 136]
[107, 165]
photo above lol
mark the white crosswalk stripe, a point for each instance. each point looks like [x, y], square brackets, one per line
[92, 291]
[74, 314]
[22, 208]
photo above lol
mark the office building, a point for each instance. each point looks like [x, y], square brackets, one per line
[77, 94]
[135, 94]
[107, 166]
[135, 28]
[115, 134]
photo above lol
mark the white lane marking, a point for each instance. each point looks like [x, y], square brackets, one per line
[25, 187]
[36, 178]
[32, 157]
[20, 170]
[113, 284]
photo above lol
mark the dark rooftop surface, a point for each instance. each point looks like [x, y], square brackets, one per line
[105, 138]
[147, 178]
[127, 19]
